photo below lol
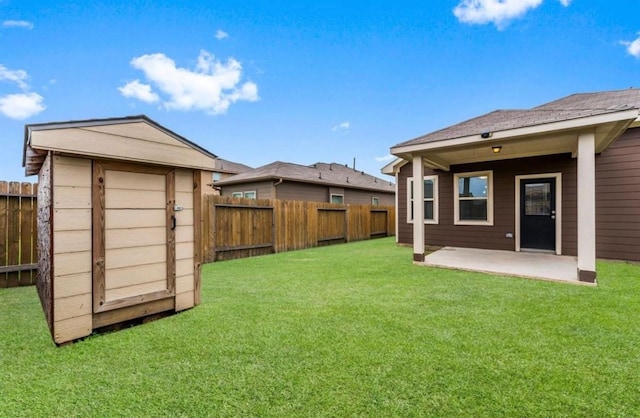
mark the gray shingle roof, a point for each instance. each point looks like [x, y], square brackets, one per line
[226, 166]
[332, 174]
[571, 107]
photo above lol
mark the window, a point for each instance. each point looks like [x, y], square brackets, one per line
[473, 198]
[250, 195]
[236, 194]
[430, 200]
[216, 177]
[337, 198]
[375, 201]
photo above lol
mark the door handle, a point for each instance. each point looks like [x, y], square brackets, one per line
[173, 222]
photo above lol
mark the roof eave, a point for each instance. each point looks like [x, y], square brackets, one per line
[629, 115]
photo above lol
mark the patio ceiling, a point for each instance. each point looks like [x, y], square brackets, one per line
[526, 141]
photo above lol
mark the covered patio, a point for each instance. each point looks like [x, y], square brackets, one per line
[509, 263]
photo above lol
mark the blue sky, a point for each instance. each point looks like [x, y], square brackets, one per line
[300, 81]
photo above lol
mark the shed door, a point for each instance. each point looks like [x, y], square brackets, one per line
[538, 214]
[134, 240]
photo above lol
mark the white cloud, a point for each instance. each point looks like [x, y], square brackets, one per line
[344, 126]
[211, 87]
[498, 12]
[220, 34]
[137, 90]
[633, 47]
[17, 24]
[16, 76]
[21, 106]
[386, 158]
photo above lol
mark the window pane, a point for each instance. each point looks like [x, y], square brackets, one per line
[428, 189]
[336, 198]
[473, 210]
[473, 186]
[236, 194]
[375, 201]
[410, 189]
[250, 195]
[428, 210]
[537, 199]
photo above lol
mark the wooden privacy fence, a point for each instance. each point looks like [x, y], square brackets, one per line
[18, 231]
[237, 228]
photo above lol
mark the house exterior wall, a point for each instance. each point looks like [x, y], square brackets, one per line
[618, 199]
[263, 189]
[504, 184]
[291, 190]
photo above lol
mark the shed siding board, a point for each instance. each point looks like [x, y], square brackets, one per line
[184, 235]
[445, 233]
[80, 141]
[138, 130]
[45, 282]
[618, 199]
[72, 249]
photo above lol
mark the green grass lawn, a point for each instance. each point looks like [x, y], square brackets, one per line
[347, 330]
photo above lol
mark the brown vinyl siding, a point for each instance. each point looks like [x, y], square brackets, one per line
[618, 199]
[492, 237]
[263, 189]
[290, 190]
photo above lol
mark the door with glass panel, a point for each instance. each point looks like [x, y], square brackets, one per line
[538, 214]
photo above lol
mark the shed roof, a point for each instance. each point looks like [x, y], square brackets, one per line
[331, 174]
[130, 138]
[572, 107]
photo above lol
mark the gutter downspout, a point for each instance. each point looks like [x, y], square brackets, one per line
[280, 181]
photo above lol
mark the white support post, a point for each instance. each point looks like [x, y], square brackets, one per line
[418, 209]
[586, 207]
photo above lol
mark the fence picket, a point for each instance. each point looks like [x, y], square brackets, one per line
[238, 227]
[18, 231]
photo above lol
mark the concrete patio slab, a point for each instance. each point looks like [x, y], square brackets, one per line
[510, 263]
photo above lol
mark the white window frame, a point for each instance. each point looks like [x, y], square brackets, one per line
[375, 201]
[216, 176]
[336, 194]
[434, 179]
[250, 194]
[456, 198]
[237, 194]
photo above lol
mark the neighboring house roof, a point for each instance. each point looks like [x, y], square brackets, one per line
[226, 166]
[332, 174]
[568, 108]
[87, 137]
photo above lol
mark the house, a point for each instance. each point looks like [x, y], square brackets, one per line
[563, 177]
[221, 170]
[320, 182]
[119, 221]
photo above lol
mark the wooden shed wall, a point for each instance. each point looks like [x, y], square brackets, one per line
[185, 240]
[136, 141]
[72, 262]
[44, 283]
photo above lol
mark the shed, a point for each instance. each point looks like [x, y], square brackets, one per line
[119, 221]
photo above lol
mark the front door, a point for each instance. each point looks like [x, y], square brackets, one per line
[538, 214]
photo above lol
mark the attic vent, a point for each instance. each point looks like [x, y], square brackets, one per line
[320, 175]
[347, 179]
